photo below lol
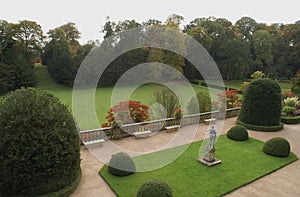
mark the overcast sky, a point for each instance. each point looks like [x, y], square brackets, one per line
[89, 15]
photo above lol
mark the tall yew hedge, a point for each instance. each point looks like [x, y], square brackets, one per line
[261, 103]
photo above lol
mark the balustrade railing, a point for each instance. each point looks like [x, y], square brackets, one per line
[153, 125]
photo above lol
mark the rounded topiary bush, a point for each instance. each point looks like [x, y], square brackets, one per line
[261, 104]
[278, 147]
[155, 188]
[121, 164]
[238, 133]
[39, 144]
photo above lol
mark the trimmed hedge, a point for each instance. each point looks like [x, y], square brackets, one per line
[155, 188]
[121, 164]
[290, 120]
[67, 191]
[261, 128]
[16, 75]
[278, 147]
[238, 133]
[39, 144]
[262, 103]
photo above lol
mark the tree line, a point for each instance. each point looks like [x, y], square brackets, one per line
[23, 44]
[239, 49]
[19, 44]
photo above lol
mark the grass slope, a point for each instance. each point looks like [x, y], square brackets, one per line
[144, 93]
[103, 95]
[242, 163]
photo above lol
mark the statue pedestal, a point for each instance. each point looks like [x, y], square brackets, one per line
[209, 163]
[209, 158]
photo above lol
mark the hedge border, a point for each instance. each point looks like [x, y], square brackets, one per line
[290, 120]
[261, 128]
[68, 190]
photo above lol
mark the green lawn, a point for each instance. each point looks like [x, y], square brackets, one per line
[285, 86]
[144, 93]
[242, 163]
[236, 84]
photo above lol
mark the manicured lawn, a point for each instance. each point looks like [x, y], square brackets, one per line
[285, 86]
[242, 163]
[236, 84]
[144, 93]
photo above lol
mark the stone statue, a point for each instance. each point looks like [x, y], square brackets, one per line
[209, 157]
[210, 149]
[212, 137]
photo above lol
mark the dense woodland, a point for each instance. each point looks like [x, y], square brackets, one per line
[239, 49]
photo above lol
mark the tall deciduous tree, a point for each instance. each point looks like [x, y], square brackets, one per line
[201, 35]
[236, 59]
[108, 28]
[19, 43]
[166, 35]
[5, 37]
[63, 54]
[246, 26]
[262, 46]
[60, 65]
[30, 35]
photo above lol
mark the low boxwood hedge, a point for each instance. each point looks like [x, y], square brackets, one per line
[290, 120]
[261, 128]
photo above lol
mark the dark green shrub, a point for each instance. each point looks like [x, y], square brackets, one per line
[290, 120]
[39, 144]
[155, 188]
[278, 147]
[296, 84]
[13, 77]
[261, 128]
[7, 77]
[262, 103]
[121, 164]
[238, 133]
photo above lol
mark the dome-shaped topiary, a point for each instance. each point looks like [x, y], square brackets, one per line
[155, 188]
[278, 147]
[261, 103]
[121, 164]
[238, 133]
[39, 144]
